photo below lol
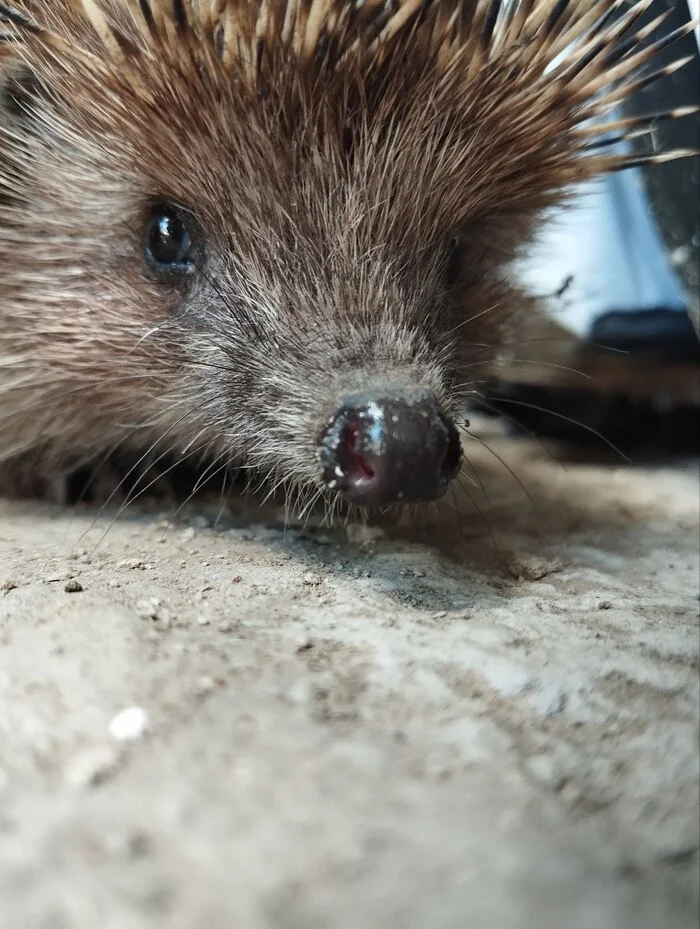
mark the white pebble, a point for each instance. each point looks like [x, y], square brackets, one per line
[128, 725]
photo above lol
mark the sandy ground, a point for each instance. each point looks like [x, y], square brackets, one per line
[357, 730]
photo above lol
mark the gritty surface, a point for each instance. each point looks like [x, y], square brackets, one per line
[234, 726]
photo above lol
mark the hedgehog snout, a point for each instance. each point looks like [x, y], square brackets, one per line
[397, 447]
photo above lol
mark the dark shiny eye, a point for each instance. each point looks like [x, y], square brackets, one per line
[169, 247]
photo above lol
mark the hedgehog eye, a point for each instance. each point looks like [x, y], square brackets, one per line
[169, 247]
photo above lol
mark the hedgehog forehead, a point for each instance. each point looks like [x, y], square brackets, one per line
[329, 182]
[291, 152]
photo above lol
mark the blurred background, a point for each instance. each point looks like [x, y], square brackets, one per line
[619, 278]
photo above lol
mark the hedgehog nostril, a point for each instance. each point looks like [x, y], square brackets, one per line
[390, 448]
[356, 461]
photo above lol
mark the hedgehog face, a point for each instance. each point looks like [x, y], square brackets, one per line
[322, 353]
[315, 300]
[280, 233]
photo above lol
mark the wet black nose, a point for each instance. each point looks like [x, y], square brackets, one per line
[396, 448]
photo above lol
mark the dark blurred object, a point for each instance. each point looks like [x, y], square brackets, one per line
[651, 335]
[586, 393]
[632, 424]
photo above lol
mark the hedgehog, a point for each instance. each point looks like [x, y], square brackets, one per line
[277, 235]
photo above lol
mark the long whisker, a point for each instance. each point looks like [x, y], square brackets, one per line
[568, 419]
[143, 457]
[95, 470]
[132, 496]
[225, 496]
[477, 478]
[459, 514]
[482, 517]
[209, 473]
[518, 425]
[528, 361]
[465, 322]
[506, 466]
[305, 514]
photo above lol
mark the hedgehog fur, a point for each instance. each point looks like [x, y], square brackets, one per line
[359, 177]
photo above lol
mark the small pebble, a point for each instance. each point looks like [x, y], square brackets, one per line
[203, 620]
[322, 540]
[8, 585]
[204, 685]
[73, 587]
[148, 608]
[363, 535]
[153, 609]
[129, 725]
[311, 579]
[532, 568]
[604, 605]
